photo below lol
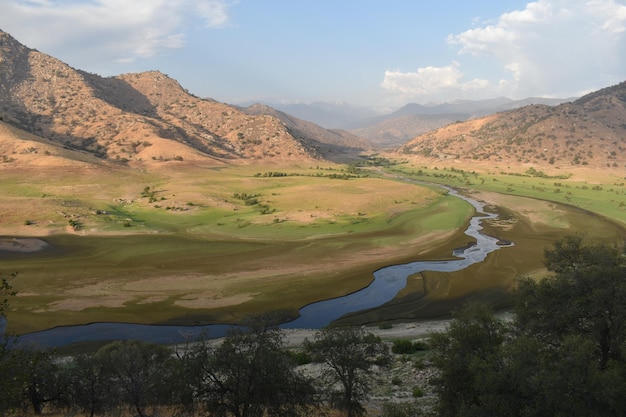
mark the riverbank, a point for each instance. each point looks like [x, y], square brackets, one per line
[410, 330]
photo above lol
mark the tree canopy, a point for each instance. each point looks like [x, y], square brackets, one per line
[563, 354]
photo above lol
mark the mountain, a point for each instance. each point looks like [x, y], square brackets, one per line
[413, 119]
[326, 141]
[324, 114]
[136, 118]
[588, 131]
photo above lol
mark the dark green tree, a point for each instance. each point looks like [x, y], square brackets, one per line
[349, 355]
[250, 374]
[92, 385]
[12, 377]
[469, 347]
[141, 370]
[585, 296]
[46, 383]
[6, 291]
[562, 355]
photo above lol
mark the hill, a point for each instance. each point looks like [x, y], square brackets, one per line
[138, 118]
[590, 131]
[413, 119]
[335, 143]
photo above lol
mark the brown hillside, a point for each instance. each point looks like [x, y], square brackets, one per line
[589, 131]
[336, 145]
[146, 117]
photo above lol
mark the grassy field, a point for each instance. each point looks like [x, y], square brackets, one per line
[601, 194]
[194, 245]
[534, 211]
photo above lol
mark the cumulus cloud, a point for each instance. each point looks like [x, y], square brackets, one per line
[429, 81]
[551, 47]
[108, 30]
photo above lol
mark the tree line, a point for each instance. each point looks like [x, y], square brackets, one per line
[249, 373]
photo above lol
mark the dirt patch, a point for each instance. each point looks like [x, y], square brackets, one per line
[80, 304]
[22, 244]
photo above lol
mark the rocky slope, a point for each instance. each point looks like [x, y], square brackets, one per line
[135, 117]
[589, 131]
[336, 144]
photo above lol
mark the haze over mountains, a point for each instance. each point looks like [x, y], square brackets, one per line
[150, 118]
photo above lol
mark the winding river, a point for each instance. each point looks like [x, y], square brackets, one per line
[388, 281]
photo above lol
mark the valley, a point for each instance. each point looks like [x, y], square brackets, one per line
[143, 203]
[187, 246]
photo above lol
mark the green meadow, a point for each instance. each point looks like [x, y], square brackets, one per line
[215, 245]
[209, 245]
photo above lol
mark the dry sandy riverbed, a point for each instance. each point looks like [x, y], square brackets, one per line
[413, 330]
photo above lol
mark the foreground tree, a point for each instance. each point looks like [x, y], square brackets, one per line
[249, 374]
[563, 354]
[91, 385]
[349, 354]
[12, 377]
[585, 296]
[141, 371]
[470, 345]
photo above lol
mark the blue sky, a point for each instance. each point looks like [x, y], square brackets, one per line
[381, 54]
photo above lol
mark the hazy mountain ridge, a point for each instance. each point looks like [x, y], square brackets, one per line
[325, 141]
[413, 119]
[589, 131]
[134, 117]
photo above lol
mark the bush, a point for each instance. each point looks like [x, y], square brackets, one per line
[404, 346]
[417, 392]
[300, 358]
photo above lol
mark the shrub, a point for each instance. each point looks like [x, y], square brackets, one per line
[404, 346]
[417, 392]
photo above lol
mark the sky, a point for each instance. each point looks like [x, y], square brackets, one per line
[373, 53]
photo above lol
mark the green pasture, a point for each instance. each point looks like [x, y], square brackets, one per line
[604, 195]
[216, 245]
[210, 257]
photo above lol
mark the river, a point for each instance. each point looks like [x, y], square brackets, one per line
[387, 282]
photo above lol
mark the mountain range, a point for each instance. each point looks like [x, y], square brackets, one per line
[590, 131]
[142, 117]
[50, 112]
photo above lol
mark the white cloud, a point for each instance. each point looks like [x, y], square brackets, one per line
[429, 81]
[99, 31]
[551, 47]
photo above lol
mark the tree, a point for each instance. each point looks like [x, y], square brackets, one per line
[91, 388]
[12, 378]
[45, 382]
[6, 291]
[562, 355]
[349, 355]
[586, 295]
[471, 344]
[140, 370]
[250, 374]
